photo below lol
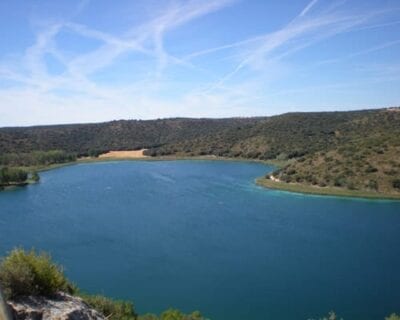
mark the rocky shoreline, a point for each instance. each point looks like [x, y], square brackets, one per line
[60, 306]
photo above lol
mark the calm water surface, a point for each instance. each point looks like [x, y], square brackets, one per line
[201, 235]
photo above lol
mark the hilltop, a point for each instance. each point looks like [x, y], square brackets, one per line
[355, 151]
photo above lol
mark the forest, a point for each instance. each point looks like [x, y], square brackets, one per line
[354, 150]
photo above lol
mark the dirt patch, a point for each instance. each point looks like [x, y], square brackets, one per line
[133, 154]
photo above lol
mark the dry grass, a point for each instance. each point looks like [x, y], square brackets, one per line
[133, 154]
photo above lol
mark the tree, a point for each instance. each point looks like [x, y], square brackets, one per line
[35, 176]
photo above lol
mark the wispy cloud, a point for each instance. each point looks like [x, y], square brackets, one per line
[308, 8]
[298, 34]
[250, 64]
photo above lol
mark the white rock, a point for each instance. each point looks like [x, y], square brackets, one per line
[58, 307]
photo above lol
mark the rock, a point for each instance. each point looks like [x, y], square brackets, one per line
[58, 307]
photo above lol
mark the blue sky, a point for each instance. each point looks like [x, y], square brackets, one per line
[69, 61]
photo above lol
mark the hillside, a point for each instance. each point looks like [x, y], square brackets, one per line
[114, 135]
[357, 150]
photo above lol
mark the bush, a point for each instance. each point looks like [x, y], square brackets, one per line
[396, 183]
[331, 316]
[372, 184]
[371, 169]
[173, 314]
[393, 316]
[35, 176]
[28, 273]
[112, 309]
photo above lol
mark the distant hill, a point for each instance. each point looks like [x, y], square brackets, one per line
[356, 150]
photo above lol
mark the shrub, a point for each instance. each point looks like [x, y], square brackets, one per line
[396, 183]
[35, 176]
[331, 316]
[112, 309]
[372, 184]
[371, 169]
[29, 273]
[173, 314]
[351, 186]
[393, 316]
[339, 181]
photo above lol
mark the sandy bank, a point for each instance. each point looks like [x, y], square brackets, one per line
[133, 154]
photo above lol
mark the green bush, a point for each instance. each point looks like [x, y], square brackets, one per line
[112, 309]
[331, 316]
[173, 314]
[393, 316]
[35, 176]
[30, 273]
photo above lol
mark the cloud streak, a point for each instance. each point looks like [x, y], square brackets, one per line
[163, 85]
[308, 8]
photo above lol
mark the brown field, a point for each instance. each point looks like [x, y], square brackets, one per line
[133, 154]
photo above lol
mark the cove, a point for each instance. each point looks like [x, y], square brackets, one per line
[201, 235]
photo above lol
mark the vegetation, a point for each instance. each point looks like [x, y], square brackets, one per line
[35, 176]
[25, 273]
[331, 316]
[112, 309]
[36, 158]
[12, 176]
[357, 150]
[31, 273]
[173, 314]
[327, 191]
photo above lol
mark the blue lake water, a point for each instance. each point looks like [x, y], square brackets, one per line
[201, 235]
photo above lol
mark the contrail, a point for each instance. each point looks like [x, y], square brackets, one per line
[308, 7]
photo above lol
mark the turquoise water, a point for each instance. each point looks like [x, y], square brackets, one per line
[201, 235]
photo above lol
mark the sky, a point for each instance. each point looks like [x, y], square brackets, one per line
[75, 61]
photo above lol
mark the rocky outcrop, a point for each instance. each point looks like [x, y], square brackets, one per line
[59, 307]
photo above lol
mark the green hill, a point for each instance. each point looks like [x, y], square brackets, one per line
[354, 151]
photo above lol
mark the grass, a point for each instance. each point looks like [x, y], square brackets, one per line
[325, 191]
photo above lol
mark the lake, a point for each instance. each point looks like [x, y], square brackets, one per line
[200, 235]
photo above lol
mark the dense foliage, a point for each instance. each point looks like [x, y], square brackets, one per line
[352, 150]
[92, 139]
[36, 158]
[29, 273]
[364, 155]
[9, 176]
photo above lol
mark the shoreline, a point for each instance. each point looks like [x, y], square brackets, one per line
[325, 191]
[261, 181]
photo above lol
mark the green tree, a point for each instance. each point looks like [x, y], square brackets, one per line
[35, 176]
